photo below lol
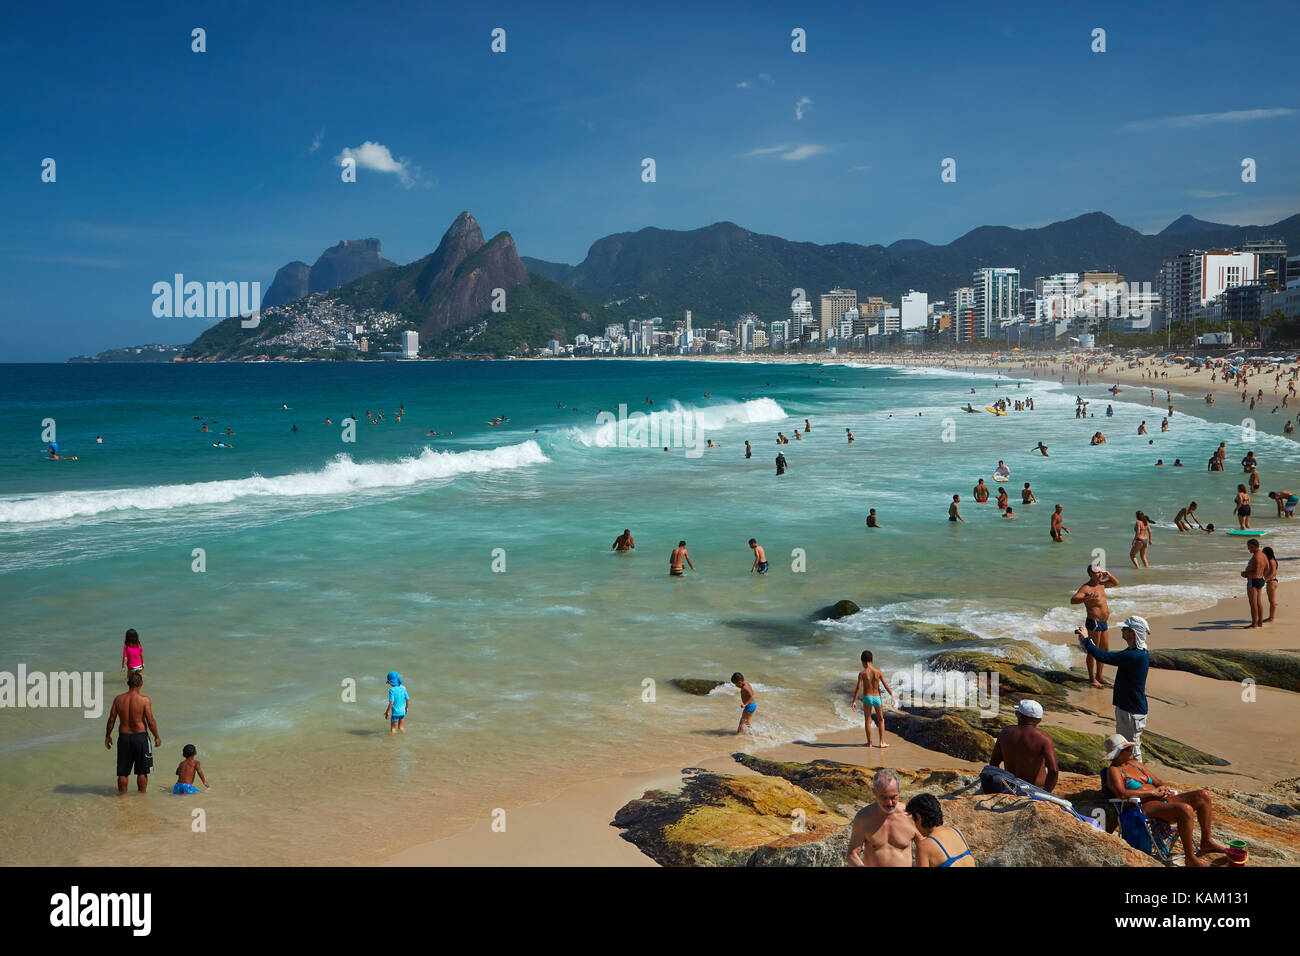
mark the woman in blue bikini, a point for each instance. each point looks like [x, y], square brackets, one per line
[936, 844]
[1127, 777]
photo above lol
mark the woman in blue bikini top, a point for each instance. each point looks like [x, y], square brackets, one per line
[927, 816]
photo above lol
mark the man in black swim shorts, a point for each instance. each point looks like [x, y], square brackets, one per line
[134, 754]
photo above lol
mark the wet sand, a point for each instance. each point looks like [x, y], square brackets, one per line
[1256, 737]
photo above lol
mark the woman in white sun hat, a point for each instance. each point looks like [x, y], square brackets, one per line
[1126, 777]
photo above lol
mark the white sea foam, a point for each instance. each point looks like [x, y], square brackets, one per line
[670, 420]
[341, 476]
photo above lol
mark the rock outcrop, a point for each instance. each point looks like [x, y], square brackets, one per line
[350, 259]
[337, 265]
[720, 820]
[699, 686]
[1271, 668]
[837, 610]
[450, 287]
[291, 283]
[798, 814]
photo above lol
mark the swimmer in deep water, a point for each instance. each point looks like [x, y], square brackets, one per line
[623, 542]
[1040, 447]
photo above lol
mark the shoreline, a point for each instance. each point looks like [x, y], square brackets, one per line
[573, 826]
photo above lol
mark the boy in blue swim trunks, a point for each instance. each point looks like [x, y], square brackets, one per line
[398, 697]
[748, 702]
[760, 559]
[870, 680]
[186, 771]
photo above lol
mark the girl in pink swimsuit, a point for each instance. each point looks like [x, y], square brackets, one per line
[132, 652]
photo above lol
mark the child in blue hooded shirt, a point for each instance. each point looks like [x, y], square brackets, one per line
[398, 697]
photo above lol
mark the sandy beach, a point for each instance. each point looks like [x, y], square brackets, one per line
[1253, 731]
[1256, 737]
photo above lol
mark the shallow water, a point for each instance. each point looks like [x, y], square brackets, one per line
[477, 564]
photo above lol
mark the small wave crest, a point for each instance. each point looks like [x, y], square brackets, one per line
[340, 476]
[677, 420]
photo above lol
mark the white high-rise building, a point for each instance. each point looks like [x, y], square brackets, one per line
[1061, 284]
[688, 336]
[801, 317]
[780, 333]
[1191, 280]
[410, 344]
[914, 311]
[848, 320]
[997, 300]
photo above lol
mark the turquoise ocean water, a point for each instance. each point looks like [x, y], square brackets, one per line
[330, 561]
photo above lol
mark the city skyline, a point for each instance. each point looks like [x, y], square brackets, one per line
[225, 164]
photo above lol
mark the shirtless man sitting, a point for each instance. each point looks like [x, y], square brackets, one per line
[1093, 598]
[135, 712]
[883, 833]
[1027, 751]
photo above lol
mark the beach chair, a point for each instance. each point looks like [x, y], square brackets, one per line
[1156, 837]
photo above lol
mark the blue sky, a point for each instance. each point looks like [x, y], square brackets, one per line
[224, 165]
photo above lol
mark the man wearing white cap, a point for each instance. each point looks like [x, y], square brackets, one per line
[1028, 753]
[1131, 664]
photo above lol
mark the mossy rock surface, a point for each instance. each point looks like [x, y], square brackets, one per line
[947, 734]
[1270, 668]
[936, 633]
[837, 785]
[1012, 675]
[839, 609]
[699, 686]
[722, 820]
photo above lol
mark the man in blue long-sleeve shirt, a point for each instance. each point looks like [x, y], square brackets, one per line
[1130, 694]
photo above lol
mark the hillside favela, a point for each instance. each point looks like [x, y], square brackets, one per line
[596, 439]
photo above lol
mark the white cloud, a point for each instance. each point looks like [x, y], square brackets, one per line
[316, 140]
[766, 78]
[378, 158]
[803, 152]
[587, 124]
[1207, 193]
[1197, 120]
[787, 151]
[858, 169]
[743, 85]
[801, 107]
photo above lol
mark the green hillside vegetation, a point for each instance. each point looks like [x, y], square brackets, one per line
[535, 313]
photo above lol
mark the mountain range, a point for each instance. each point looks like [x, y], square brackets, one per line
[718, 272]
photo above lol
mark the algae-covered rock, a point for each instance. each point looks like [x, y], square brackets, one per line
[1012, 675]
[1077, 752]
[1270, 668]
[1175, 753]
[936, 633]
[837, 785]
[947, 734]
[699, 686]
[721, 820]
[838, 610]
